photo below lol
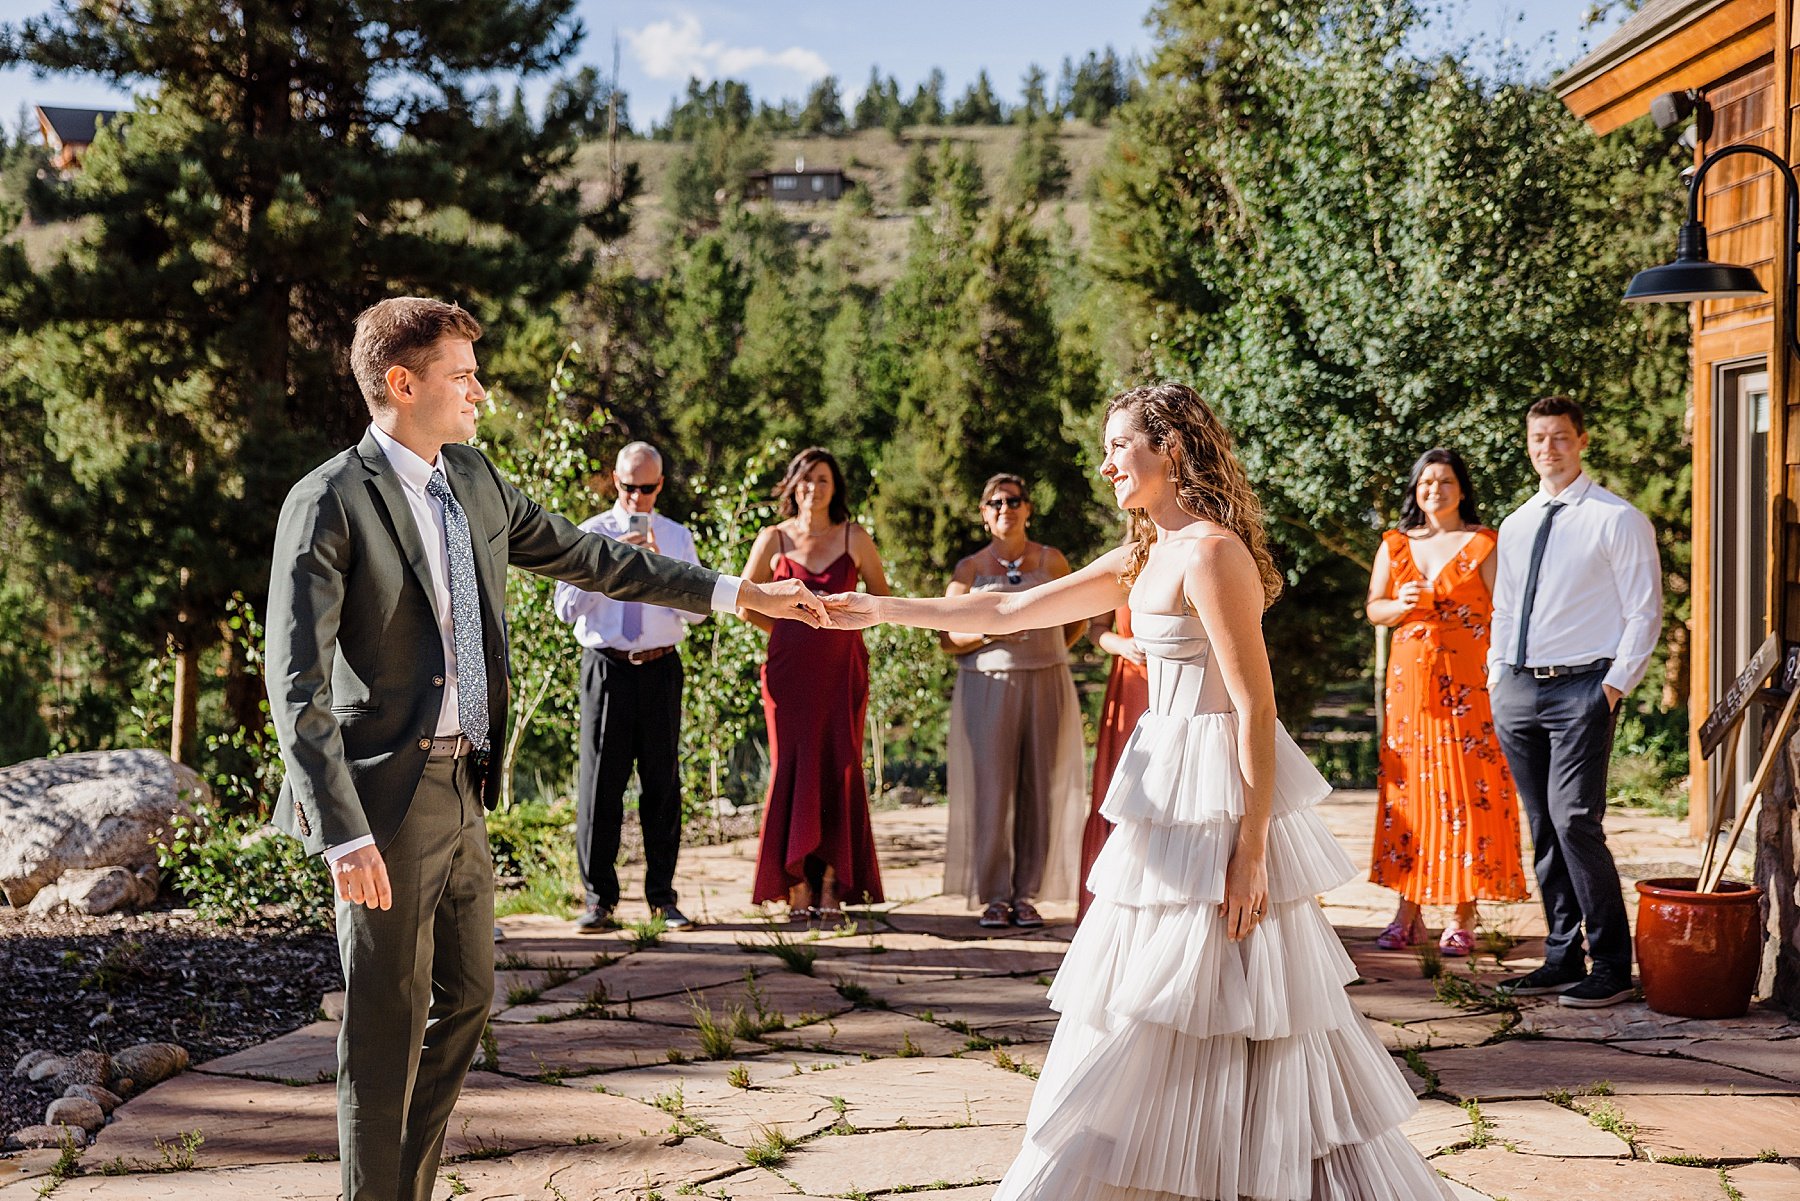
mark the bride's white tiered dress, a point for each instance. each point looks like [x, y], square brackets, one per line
[1186, 1065]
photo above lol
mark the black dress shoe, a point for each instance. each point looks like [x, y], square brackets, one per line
[1598, 991]
[595, 920]
[1546, 979]
[672, 917]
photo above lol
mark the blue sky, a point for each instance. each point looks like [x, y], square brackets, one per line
[781, 46]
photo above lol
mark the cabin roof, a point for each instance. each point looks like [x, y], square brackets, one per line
[74, 124]
[1666, 46]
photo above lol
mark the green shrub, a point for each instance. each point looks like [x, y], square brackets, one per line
[535, 840]
[236, 871]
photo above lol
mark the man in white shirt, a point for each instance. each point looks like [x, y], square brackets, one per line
[631, 682]
[1577, 611]
[386, 664]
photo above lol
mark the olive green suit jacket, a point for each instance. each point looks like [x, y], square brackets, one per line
[354, 656]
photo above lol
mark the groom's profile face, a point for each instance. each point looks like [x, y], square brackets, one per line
[444, 396]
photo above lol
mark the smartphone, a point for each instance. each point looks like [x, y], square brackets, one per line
[639, 523]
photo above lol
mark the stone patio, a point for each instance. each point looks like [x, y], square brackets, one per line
[903, 1062]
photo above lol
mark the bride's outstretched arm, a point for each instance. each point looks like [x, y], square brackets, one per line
[1092, 590]
[1225, 588]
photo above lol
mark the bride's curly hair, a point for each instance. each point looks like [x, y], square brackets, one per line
[1210, 482]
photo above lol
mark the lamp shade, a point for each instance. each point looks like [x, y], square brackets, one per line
[1692, 276]
[1680, 282]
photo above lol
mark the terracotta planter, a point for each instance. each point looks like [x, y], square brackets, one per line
[1698, 952]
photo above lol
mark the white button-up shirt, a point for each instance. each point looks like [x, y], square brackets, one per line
[1599, 593]
[596, 616]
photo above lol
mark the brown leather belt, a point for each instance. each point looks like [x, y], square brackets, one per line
[451, 746]
[637, 658]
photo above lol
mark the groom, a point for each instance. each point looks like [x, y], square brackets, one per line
[386, 668]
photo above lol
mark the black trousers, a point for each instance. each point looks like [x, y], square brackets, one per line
[1557, 736]
[630, 718]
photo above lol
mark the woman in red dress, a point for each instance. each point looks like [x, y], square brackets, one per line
[1127, 696]
[817, 848]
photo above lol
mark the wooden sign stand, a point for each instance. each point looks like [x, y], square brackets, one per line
[1726, 723]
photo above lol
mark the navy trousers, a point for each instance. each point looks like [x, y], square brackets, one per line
[1557, 736]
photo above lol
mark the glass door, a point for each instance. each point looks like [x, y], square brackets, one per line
[1741, 544]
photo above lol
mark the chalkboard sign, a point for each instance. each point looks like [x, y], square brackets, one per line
[1731, 706]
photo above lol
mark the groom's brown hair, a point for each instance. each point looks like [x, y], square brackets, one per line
[401, 332]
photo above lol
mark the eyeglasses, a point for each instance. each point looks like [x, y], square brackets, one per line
[997, 503]
[634, 489]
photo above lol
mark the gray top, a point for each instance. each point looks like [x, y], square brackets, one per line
[1024, 651]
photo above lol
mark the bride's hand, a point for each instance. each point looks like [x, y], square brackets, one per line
[850, 611]
[1246, 892]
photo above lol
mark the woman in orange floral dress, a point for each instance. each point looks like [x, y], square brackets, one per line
[1447, 825]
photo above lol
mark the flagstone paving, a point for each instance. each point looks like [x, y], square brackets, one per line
[897, 1055]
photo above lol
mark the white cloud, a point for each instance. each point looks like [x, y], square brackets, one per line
[679, 48]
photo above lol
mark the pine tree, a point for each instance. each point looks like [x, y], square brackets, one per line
[288, 168]
[869, 112]
[824, 111]
[1039, 170]
[927, 107]
[979, 105]
[915, 185]
[1035, 102]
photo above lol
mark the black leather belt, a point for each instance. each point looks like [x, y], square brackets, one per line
[637, 658]
[1553, 673]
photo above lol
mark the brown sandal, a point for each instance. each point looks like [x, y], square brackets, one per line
[1025, 915]
[996, 916]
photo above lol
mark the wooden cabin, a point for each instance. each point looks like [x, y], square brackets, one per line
[802, 185]
[68, 132]
[1728, 68]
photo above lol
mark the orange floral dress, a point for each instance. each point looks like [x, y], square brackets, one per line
[1447, 824]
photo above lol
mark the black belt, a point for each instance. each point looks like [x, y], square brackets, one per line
[636, 658]
[1553, 673]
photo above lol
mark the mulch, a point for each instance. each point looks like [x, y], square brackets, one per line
[70, 983]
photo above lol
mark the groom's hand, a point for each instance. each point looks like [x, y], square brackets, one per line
[788, 599]
[851, 610]
[361, 878]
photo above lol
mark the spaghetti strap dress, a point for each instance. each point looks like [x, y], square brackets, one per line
[1447, 823]
[815, 691]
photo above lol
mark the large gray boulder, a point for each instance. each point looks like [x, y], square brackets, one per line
[92, 809]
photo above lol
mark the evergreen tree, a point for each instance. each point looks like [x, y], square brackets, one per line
[1039, 169]
[1035, 105]
[870, 112]
[585, 101]
[713, 168]
[185, 347]
[915, 185]
[927, 107]
[706, 307]
[979, 105]
[722, 103]
[824, 111]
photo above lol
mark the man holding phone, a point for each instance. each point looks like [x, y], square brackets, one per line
[631, 682]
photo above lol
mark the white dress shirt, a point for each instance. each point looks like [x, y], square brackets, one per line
[596, 616]
[428, 516]
[1599, 592]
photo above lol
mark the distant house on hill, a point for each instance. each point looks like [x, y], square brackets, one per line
[800, 184]
[70, 131]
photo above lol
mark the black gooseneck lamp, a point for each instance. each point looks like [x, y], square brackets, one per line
[1693, 276]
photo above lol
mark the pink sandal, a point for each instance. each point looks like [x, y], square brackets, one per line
[1457, 944]
[1398, 937]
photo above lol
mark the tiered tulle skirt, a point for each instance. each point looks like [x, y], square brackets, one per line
[1186, 1065]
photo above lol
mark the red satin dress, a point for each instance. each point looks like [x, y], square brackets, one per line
[1127, 696]
[815, 690]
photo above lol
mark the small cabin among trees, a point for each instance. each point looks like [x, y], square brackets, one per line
[68, 132]
[802, 184]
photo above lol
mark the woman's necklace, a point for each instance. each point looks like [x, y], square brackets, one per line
[1012, 566]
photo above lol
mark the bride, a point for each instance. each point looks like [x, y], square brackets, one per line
[1207, 1048]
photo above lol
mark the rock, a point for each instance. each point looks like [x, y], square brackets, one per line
[87, 810]
[98, 890]
[150, 1063]
[43, 1069]
[105, 1098]
[30, 1060]
[75, 1111]
[86, 1067]
[123, 1086]
[46, 1136]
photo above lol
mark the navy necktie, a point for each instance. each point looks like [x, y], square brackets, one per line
[465, 617]
[1531, 579]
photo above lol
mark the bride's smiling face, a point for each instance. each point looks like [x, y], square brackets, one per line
[1137, 471]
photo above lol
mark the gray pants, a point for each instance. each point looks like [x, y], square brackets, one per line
[418, 981]
[1557, 736]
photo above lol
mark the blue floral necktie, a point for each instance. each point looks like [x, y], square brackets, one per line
[465, 617]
